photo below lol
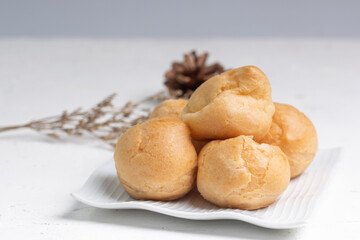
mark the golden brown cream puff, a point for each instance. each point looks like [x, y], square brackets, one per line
[240, 173]
[236, 102]
[295, 134]
[156, 159]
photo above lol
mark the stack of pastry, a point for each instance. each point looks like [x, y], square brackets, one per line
[241, 148]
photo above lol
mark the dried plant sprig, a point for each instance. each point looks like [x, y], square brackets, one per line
[103, 121]
[107, 122]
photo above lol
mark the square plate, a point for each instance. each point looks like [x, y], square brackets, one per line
[103, 190]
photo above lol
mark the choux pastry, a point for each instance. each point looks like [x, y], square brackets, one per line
[173, 108]
[236, 102]
[170, 108]
[156, 159]
[240, 173]
[295, 134]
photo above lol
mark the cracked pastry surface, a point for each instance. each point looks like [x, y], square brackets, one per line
[156, 159]
[236, 102]
[295, 134]
[240, 173]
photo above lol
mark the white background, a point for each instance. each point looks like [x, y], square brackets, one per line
[40, 78]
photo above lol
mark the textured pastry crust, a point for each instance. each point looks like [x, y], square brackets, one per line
[236, 102]
[240, 173]
[156, 160]
[295, 134]
[170, 108]
[173, 108]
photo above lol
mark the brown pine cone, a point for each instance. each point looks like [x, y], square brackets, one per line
[184, 77]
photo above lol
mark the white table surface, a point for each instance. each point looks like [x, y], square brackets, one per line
[40, 78]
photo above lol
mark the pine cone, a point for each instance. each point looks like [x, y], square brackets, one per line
[186, 76]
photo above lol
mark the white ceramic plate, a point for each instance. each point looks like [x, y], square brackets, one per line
[291, 210]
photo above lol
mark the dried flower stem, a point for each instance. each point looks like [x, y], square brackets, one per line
[104, 121]
[107, 122]
[4, 129]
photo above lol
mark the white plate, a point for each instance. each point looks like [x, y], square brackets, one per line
[291, 210]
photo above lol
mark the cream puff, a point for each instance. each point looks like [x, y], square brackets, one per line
[295, 134]
[236, 102]
[240, 173]
[173, 108]
[169, 108]
[156, 159]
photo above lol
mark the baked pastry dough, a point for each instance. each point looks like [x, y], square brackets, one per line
[156, 159]
[170, 108]
[295, 134]
[240, 173]
[173, 108]
[236, 102]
